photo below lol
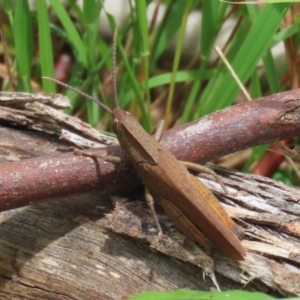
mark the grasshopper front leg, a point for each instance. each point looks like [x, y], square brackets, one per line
[150, 203]
[109, 158]
[148, 196]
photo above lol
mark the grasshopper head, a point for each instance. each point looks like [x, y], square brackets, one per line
[124, 122]
[139, 146]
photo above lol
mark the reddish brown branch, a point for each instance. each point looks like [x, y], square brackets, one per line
[272, 158]
[30, 180]
[242, 126]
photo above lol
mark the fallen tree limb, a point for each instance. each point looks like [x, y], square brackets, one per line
[62, 247]
[270, 119]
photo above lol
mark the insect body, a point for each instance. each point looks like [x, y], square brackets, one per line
[168, 179]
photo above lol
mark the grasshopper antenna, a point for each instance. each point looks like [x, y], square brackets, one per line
[114, 80]
[80, 93]
[114, 68]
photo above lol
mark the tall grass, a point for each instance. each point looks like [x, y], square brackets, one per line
[153, 82]
[209, 87]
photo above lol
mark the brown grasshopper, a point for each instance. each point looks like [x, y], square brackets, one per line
[190, 205]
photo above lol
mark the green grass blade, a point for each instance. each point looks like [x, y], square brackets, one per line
[45, 46]
[199, 295]
[72, 33]
[167, 29]
[159, 80]
[22, 28]
[255, 88]
[8, 8]
[285, 33]
[178, 51]
[272, 73]
[137, 92]
[222, 90]
[143, 37]
[91, 11]
[213, 13]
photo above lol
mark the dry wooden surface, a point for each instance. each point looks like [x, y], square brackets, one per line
[80, 247]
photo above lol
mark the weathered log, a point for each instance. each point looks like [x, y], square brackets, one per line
[67, 248]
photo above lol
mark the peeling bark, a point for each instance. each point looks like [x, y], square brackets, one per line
[66, 248]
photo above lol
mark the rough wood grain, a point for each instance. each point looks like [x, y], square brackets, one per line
[68, 248]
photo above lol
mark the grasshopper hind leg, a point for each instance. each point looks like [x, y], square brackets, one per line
[203, 169]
